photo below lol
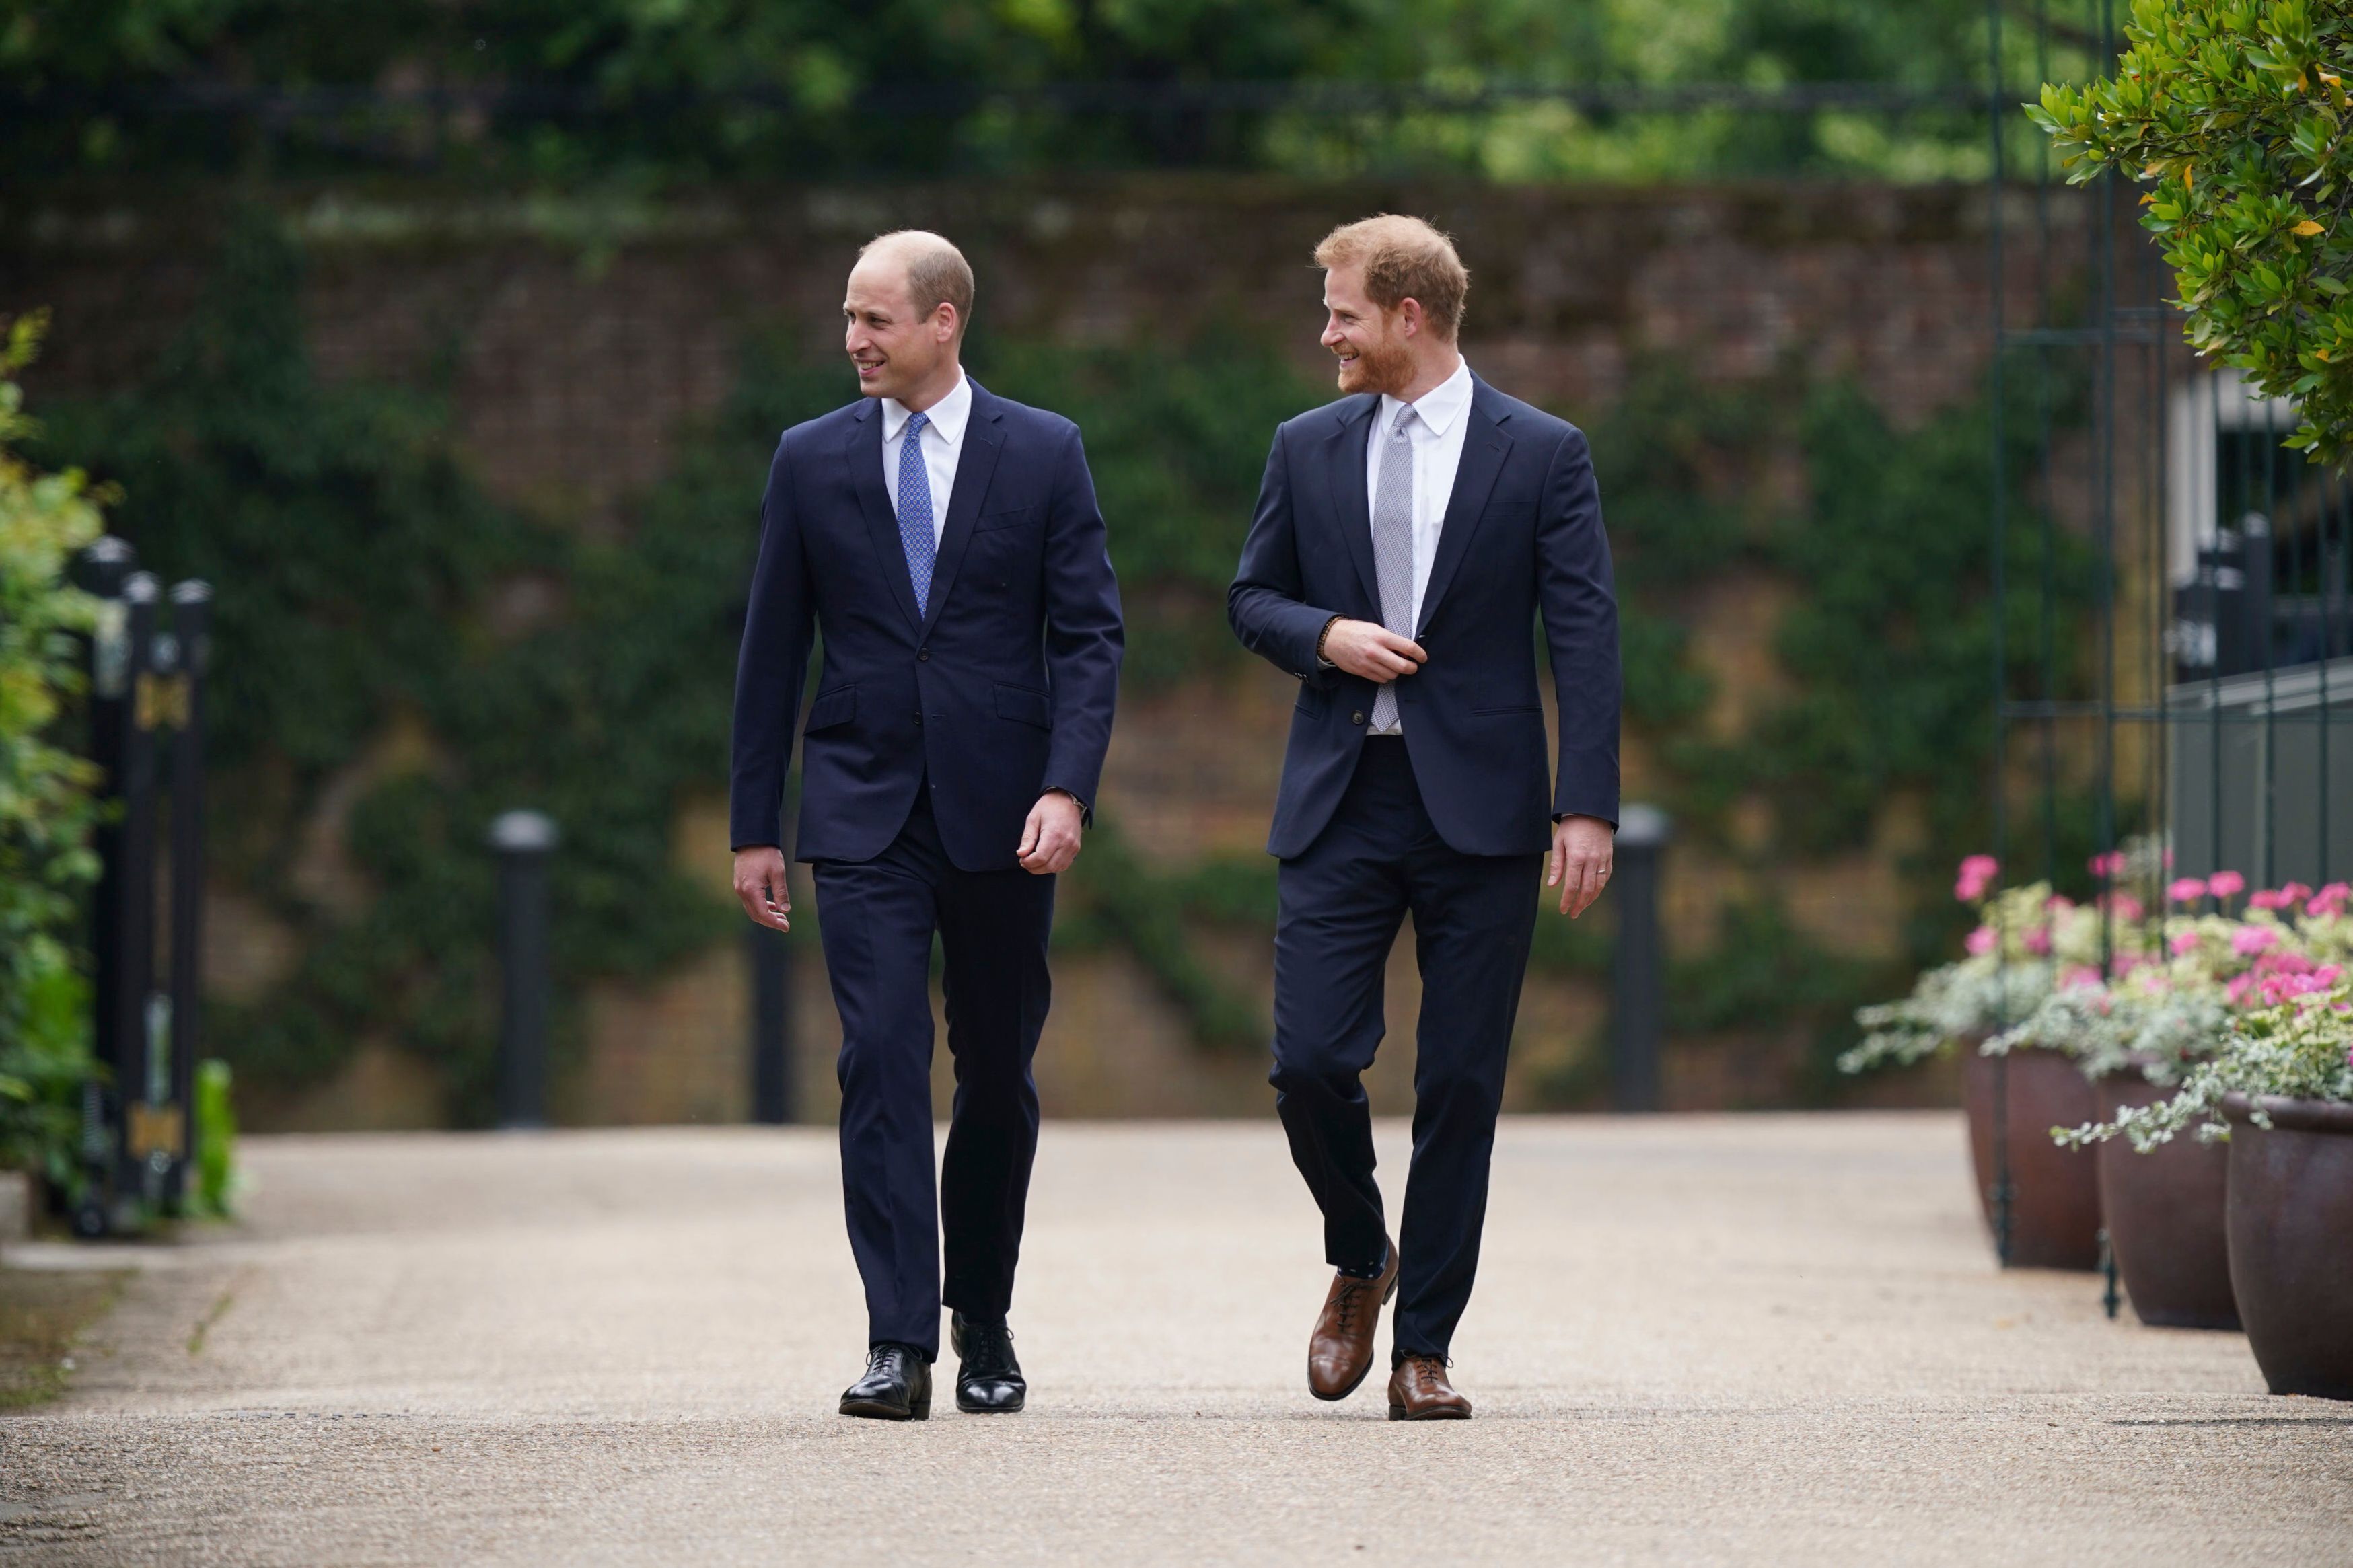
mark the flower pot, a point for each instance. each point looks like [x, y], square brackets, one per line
[2165, 1215]
[2056, 1192]
[2290, 1224]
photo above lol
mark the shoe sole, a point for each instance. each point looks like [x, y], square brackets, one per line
[1013, 1409]
[1398, 1413]
[1359, 1380]
[875, 1410]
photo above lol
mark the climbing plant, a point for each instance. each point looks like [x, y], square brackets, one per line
[401, 656]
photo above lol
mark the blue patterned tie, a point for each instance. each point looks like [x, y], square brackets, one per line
[915, 511]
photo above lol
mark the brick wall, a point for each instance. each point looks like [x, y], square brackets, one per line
[580, 335]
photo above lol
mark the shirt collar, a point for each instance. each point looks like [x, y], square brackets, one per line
[1440, 406]
[947, 416]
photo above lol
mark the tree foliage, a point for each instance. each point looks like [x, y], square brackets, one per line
[2236, 115]
[563, 88]
[46, 812]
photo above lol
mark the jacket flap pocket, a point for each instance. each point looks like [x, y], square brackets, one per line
[1024, 706]
[1009, 518]
[1313, 700]
[835, 707]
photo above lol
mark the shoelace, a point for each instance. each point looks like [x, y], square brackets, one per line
[1350, 1302]
[988, 1349]
[1424, 1369]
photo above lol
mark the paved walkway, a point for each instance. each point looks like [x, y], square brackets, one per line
[1769, 1338]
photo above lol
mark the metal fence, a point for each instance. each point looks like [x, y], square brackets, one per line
[2201, 702]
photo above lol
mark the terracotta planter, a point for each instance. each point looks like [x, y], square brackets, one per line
[2165, 1216]
[2056, 1192]
[2291, 1223]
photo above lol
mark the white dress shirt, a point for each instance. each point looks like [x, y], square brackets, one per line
[943, 439]
[1445, 419]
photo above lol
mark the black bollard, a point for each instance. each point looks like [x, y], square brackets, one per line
[771, 958]
[101, 572]
[192, 609]
[1639, 1019]
[522, 840]
[138, 1007]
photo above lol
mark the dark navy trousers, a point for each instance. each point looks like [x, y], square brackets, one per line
[1341, 904]
[878, 918]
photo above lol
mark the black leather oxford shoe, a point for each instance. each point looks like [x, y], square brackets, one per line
[988, 1380]
[897, 1386]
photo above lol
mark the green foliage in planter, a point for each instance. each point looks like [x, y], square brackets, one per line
[46, 810]
[2236, 116]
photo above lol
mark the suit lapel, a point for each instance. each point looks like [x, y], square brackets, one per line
[1346, 459]
[976, 465]
[863, 453]
[1484, 447]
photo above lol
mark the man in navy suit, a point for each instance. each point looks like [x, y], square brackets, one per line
[945, 543]
[1406, 540]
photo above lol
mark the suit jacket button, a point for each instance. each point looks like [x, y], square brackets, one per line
[1355, 717]
[922, 655]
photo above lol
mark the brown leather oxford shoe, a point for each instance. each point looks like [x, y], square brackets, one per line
[1340, 1351]
[1418, 1392]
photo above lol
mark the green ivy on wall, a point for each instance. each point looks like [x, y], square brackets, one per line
[377, 606]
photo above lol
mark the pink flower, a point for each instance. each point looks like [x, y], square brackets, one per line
[2187, 890]
[1980, 941]
[2267, 901]
[2329, 974]
[1976, 874]
[2078, 975]
[2184, 941]
[2225, 884]
[2294, 894]
[2329, 901]
[2038, 941]
[2110, 865]
[2249, 940]
[2057, 904]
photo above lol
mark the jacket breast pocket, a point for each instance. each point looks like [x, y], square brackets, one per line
[832, 709]
[1011, 517]
[1024, 706]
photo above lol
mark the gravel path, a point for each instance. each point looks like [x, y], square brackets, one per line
[1767, 1339]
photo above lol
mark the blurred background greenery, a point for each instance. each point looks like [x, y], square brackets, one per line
[660, 90]
[411, 638]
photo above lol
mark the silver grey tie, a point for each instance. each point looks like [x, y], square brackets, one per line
[1393, 550]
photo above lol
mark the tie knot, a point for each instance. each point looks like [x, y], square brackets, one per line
[1404, 426]
[916, 423]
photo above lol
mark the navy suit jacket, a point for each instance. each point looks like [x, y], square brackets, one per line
[999, 689]
[1522, 536]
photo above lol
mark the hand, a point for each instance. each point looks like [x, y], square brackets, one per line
[760, 885]
[1374, 652]
[1583, 851]
[1049, 840]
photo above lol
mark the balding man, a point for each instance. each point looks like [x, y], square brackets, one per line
[945, 543]
[1408, 538]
